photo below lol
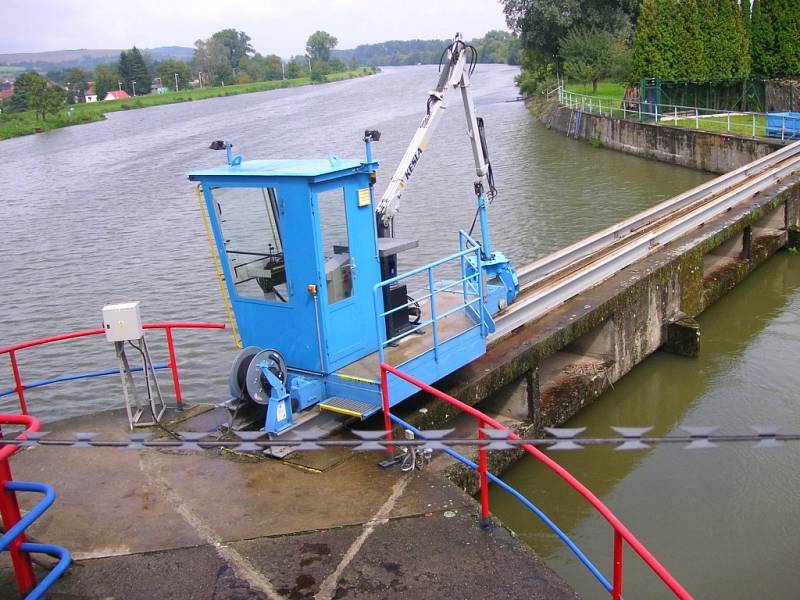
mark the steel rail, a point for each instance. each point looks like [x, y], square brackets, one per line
[537, 269]
[603, 256]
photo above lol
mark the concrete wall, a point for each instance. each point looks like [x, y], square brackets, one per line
[717, 153]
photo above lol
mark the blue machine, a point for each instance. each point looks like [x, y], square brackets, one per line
[310, 266]
[784, 125]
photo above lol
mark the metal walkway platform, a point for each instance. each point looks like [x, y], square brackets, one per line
[346, 406]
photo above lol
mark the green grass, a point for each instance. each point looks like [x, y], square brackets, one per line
[605, 89]
[739, 124]
[24, 123]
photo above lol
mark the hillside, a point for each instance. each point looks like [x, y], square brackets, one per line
[86, 58]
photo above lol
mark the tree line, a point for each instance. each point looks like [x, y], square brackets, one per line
[627, 40]
[494, 47]
[225, 58]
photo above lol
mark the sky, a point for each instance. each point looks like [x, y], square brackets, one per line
[275, 26]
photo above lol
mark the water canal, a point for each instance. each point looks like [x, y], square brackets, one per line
[103, 212]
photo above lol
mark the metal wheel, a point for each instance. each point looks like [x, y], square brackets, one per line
[258, 388]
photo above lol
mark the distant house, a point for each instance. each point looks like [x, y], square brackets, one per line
[117, 95]
[6, 93]
[91, 94]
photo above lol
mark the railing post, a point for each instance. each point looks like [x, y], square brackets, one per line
[783, 127]
[754, 125]
[483, 469]
[697, 118]
[434, 322]
[729, 122]
[9, 511]
[387, 421]
[18, 387]
[616, 591]
[173, 365]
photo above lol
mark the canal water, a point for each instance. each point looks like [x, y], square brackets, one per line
[103, 212]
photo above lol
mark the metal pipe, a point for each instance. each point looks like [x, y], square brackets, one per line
[483, 469]
[432, 288]
[55, 573]
[10, 513]
[9, 507]
[616, 593]
[173, 365]
[387, 417]
[18, 387]
[76, 377]
[598, 505]
[581, 556]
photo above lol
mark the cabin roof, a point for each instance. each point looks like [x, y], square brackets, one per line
[281, 168]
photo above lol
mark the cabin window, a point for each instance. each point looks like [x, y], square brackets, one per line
[339, 266]
[251, 228]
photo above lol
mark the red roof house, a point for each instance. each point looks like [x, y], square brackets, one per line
[117, 95]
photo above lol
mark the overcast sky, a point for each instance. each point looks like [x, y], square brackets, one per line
[276, 26]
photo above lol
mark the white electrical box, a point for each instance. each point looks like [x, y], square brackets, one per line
[122, 322]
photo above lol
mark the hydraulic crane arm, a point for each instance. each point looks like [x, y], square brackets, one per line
[454, 73]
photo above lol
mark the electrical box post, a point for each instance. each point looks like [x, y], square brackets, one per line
[123, 323]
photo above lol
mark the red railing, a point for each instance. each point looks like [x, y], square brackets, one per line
[621, 533]
[9, 508]
[19, 386]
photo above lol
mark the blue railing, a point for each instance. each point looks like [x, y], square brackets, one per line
[19, 528]
[525, 502]
[470, 284]
[76, 377]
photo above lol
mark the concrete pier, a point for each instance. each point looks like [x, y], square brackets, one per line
[223, 525]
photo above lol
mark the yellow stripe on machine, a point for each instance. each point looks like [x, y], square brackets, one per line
[354, 378]
[226, 301]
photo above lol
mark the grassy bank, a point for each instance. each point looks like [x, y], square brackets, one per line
[24, 123]
[605, 90]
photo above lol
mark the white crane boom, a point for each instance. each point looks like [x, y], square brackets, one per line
[455, 73]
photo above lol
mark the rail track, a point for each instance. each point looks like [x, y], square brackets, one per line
[553, 279]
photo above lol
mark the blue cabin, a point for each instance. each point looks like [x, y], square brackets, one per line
[310, 281]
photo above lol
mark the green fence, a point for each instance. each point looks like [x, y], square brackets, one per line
[738, 94]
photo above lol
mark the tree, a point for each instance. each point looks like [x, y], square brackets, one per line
[167, 69]
[653, 43]
[775, 33]
[293, 70]
[260, 68]
[132, 68]
[236, 43]
[23, 87]
[588, 54]
[106, 78]
[76, 81]
[211, 58]
[691, 57]
[38, 95]
[319, 46]
[542, 24]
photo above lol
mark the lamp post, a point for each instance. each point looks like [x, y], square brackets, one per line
[176, 82]
[133, 83]
[119, 85]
